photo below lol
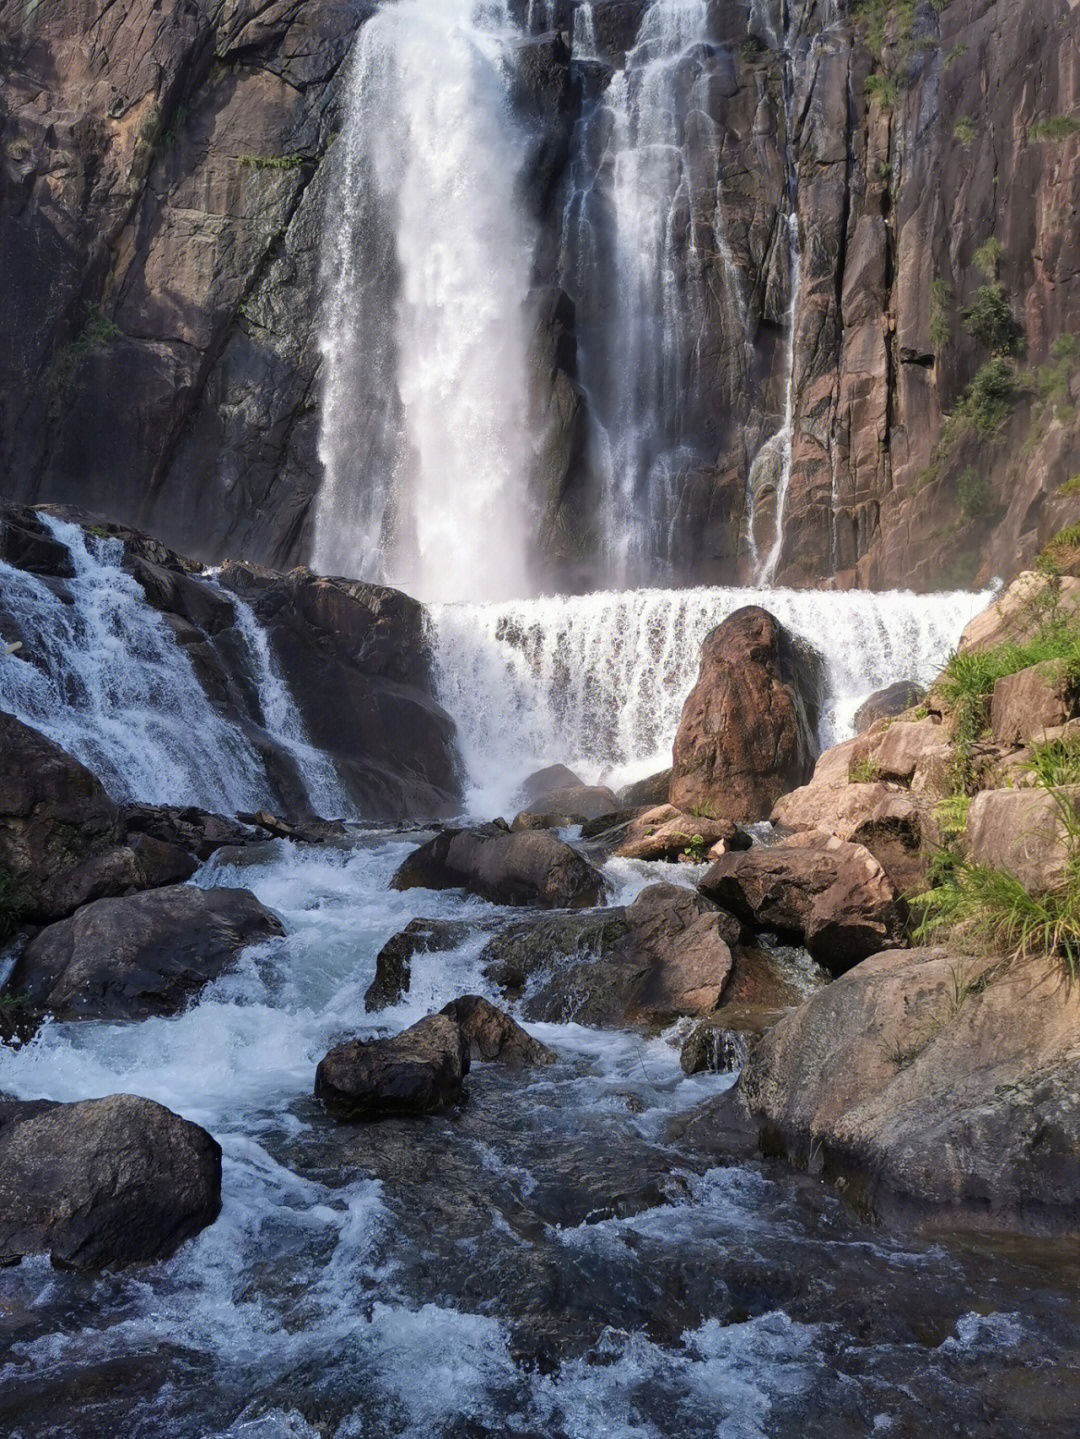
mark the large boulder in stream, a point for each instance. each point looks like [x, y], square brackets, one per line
[528, 867]
[748, 727]
[139, 955]
[103, 1182]
[935, 1088]
[419, 1071]
[668, 953]
[63, 841]
[815, 889]
[393, 967]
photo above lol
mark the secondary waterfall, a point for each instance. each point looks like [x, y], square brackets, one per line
[100, 672]
[635, 268]
[598, 682]
[425, 439]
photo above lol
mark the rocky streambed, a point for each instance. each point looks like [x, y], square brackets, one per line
[562, 1254]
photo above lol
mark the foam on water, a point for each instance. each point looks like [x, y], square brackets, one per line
[598, 681]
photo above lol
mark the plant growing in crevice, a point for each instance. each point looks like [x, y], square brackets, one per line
[988, 257]
[940, 312]
[1054, 127]
[963, 130]
[97, 331]
[865, 770]
[883, 89]
[991, 321]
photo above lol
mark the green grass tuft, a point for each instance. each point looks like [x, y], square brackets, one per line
[1054, 127]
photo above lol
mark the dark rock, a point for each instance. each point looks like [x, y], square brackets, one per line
[195, 830]
[822, 891]
[546, 781]
[419, 1071]
[492, 1034]
[748, 727]
[578, 805]
[887, 703]
[420, 936]
[104, 1182]
[530, 867]
[139, 955]
[654, 790]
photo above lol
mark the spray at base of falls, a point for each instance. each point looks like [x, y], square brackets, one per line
[427, 269]
[100, 672]
[598, 681]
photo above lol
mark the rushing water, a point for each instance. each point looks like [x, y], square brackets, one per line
[598, 681]
[425, 440]
[553, 1261]
[99, 671]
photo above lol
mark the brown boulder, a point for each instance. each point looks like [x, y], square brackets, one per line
[663, 833]
[546, 781]
[492, 1035]
[141, 954]
[831, 895]
[1022, 831]
[887, 703]
[104, 1182]
[419, 1071]
[529, 867]
[574, 805]
[1020, 609]
[1026, 704]
[747, 732]
[935, 1088]
[653, 790]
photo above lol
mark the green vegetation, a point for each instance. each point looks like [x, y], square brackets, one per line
[884, 20]
[273, 162]
[964, 130]
[992, 393]
[864, 771]
[951, 814]
[882, 89]
[704, 809]
[973, 492]
[951, 56]
[1055, 127]
[991, 321]
[1061, 552]
[940, 312]
[695, 849]
[988, 257]
[1055, 762]
[1071, 486]
[97, 331]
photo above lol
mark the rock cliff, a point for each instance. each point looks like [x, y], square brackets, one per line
[166, 164]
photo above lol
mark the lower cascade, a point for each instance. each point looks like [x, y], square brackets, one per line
[598, 681]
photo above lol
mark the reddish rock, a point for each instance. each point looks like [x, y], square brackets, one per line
[747, 732]
[1022, 831]
[529, 867]
[887, 703]
[493, 1035]
[664, 833]
[831, 895]
[1026, 704]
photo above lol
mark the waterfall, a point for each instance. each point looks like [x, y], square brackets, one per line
[281, 718]
[598, 681]
[635, 267]
[425, 438]
[100, 672]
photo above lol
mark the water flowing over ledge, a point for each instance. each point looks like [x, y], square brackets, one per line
[598, 681]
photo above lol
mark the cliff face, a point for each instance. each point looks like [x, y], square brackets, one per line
[166, 167]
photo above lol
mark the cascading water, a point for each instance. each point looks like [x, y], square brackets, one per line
[425, 441]
[100, 673]
[635, 266]
[598, 682]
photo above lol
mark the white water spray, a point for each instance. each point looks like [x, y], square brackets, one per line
[425, 442]
[598, 682]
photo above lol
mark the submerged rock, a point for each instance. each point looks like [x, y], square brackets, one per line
[103, 1182]
[418, 1071]
[747, 732]
[822, 891]
[529, 867]
[139, 955]
[492, 1034]
[935, 1088]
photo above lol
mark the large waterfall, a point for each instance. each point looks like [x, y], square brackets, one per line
[425, 441]
[598, 682]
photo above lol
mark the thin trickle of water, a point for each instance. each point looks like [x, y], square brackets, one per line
[425, 441]
[100, 672]
[282, 721]
[598, 681]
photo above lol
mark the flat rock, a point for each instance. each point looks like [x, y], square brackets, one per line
[419, 1071]
[103, 1182]
[141, 954]
[530, 867]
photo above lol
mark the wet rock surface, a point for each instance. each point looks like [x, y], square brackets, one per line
[419, 1071]
[420, 936]
[529, 867]
[141, 954]
[492, 1034]
[102, 1182]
